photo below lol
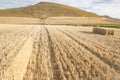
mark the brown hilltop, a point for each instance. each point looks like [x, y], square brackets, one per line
[46, 8]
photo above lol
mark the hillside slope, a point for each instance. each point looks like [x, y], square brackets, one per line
[46, 8]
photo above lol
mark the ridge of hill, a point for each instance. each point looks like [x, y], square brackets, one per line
[46, 8]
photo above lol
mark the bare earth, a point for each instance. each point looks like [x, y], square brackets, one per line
[44, 52]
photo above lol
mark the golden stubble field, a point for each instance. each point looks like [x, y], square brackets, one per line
[56, 20]
[47, 52]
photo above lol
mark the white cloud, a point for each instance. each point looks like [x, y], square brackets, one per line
[110, 8]
[102, 7]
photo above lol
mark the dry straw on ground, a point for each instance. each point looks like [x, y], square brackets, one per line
[57, 53]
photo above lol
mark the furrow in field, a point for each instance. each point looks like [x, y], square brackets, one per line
[83, 57]
[114, 53]
[19, 64]
[31, 68]
[10, 45]
[39, 67]
[104, 41]
[98, 52]
[44, 52]
[67, 71]
[56, 67]
[80, 58]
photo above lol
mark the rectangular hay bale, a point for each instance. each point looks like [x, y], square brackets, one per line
[103, 31]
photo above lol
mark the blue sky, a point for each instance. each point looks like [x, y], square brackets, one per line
[102, 7]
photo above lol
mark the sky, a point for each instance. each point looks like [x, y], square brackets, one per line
[101, 7]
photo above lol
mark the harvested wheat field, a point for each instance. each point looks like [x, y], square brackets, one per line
[56, 20]
[44, 52]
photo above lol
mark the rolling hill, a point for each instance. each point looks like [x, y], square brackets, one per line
[46, 8]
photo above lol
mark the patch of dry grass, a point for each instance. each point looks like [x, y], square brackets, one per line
[55, 20]
[44, 52]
